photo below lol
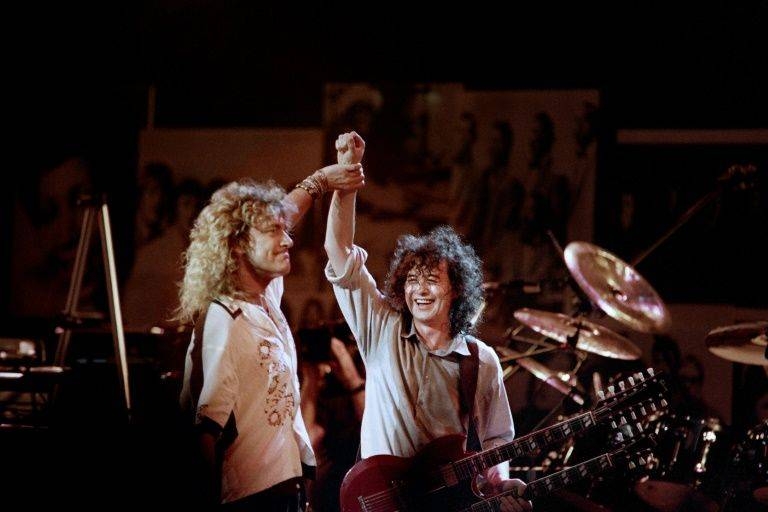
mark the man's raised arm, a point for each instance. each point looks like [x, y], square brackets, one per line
[340, 231]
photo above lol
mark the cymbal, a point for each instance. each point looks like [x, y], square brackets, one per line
[616, 288]
[741, 343]
[591, 337]
[557, 380]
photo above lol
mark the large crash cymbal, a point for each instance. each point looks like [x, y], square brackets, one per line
[591, 337]
[616, 288]
[741, 343]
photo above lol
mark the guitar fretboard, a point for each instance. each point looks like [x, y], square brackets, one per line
[469, 467]
[544, 486]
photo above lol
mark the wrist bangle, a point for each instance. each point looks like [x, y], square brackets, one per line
[309, 187]
[358, 389]
[322, 181]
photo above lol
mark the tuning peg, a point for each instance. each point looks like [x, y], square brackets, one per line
[601, 395]
[632, 414]
[631, 465]
[619, 437]
[641, 460]
[664, 403]
[611, 390]
[653, 407]
[640, 376]
[631, 380]
[639, 427]
[622, 385]
[651, 372]
[643, 411]
[622, 420]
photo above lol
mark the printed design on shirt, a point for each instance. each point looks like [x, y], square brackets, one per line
[280, 402]
[280, 406]
[265, 350]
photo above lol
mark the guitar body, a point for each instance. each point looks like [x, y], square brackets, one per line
[385, 483]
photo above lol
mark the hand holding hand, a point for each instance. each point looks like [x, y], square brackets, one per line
[345, 177]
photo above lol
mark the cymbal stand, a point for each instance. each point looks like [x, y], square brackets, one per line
[736, 175]
[95, 209]
[583, 303]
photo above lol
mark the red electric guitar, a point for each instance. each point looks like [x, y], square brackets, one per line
[441, 475]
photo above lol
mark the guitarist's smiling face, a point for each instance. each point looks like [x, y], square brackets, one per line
[428, 295]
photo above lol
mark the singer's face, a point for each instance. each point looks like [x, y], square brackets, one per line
[268, 250]
[428, 295]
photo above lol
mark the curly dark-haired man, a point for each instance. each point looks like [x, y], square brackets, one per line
[413, 337]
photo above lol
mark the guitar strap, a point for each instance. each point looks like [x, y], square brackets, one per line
[468, 369]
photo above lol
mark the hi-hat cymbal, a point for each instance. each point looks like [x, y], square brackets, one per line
[616, 288]
[741, 343]
[591, 337]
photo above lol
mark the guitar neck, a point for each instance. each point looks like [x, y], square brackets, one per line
[548, 484]
[526, 445]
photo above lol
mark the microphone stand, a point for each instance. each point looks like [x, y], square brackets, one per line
[735, 175]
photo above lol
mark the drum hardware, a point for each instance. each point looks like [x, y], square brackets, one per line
[562, 382]
[607, 284]
[746, 475]
[679, 465]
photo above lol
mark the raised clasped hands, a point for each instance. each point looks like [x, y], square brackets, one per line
[350, 148]
[347, 175]
[344, 177]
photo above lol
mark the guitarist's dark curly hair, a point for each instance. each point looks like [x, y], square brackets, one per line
[426, 252]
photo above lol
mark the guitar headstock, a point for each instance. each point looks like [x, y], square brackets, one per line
[633, 419]
[632, 460]
[632, 449]
[640, 395]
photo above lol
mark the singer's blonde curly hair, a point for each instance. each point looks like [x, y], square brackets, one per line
[223, 225]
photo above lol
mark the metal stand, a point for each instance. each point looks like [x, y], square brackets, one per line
[96, 209]
[735, 176]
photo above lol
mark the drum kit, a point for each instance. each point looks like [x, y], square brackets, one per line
[682, 464]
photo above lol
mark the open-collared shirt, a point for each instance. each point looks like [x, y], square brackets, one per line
[245, 381]
[412, 392]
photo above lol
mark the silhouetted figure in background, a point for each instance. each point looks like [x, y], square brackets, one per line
[154, 206]
[151, 290]
[46, 233]
[333, 398]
